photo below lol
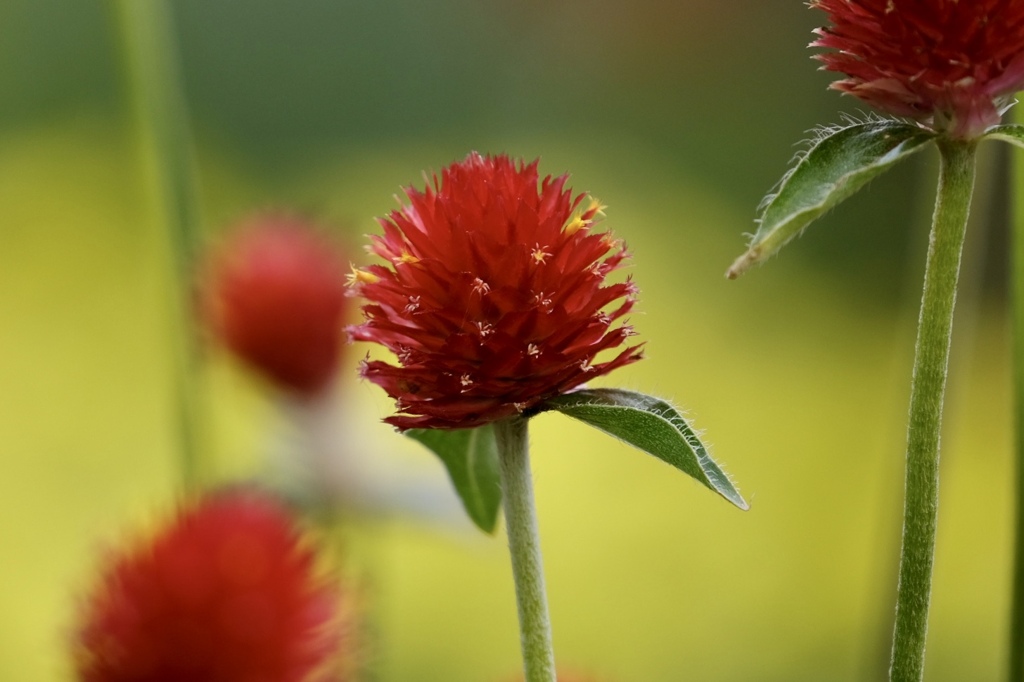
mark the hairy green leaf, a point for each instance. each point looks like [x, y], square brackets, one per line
[652, 425]
[839, 162]
[471, 458]
[1010, 132]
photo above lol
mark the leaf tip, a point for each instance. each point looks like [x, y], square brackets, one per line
[743, 263]
[488, 527]
[732, 495]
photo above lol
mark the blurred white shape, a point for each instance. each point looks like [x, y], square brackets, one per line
[323, 454]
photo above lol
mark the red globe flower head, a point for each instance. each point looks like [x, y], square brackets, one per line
[229, 592]
[275, 296]
[494, 296]
[952, 65]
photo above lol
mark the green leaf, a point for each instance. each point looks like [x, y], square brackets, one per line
[652, 425]
[471, 458]
[1010, 132]
[839, 162]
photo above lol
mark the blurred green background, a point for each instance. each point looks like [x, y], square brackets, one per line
[679, 114]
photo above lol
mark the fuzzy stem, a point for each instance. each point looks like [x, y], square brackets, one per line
[159, 110]
[1016, 648]
[931, 359]
[524, 546]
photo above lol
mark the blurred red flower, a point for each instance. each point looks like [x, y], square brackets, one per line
[952, 65]
[275, 296]
[229, 592]
[493, 297]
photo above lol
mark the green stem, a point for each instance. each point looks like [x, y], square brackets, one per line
[1016, 663]
[159, 110]
[524, 546]
[931, 359]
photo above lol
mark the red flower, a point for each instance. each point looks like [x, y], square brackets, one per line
[228, 593]
[493, 297]
[276, 298]
[953, 65]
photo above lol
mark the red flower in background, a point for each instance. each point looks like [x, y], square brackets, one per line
[275, 296]
[227, 593]
[493, 297]
[953, 65]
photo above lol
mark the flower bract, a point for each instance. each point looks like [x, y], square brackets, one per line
[951, 65]
[493, 295]
[275, 296]
[229, 592]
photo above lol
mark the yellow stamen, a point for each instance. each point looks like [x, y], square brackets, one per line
[358, 276]
[611, 242]
[596, 206]
[585, 219]
[575, 225]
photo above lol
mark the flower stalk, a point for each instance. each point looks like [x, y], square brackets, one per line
[931, 359]
[524, 546]
[159, 110]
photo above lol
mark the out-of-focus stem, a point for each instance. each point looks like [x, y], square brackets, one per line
[161, 120]
[931, 360]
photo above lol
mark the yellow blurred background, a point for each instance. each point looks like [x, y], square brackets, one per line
[678, 115]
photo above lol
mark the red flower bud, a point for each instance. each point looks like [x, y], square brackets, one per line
[493, 297]
[275, 296]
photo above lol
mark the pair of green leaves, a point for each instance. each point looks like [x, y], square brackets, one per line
[841, 161]
[650, 424]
